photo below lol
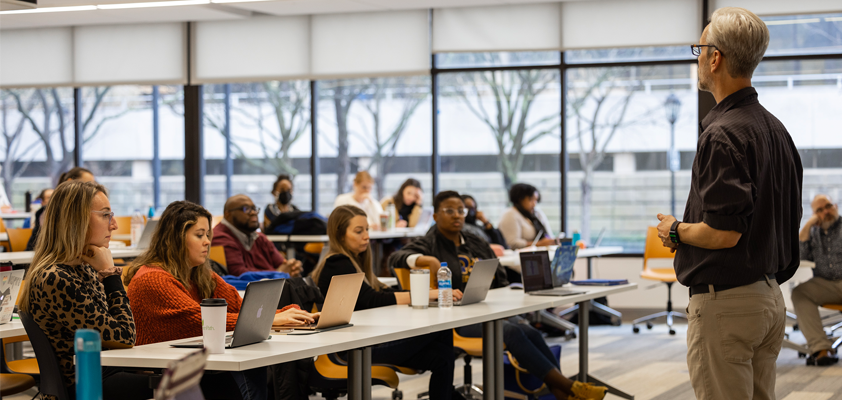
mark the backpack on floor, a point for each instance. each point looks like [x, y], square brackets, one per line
[298, 223]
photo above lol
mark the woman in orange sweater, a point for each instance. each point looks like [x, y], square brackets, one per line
[168, 281]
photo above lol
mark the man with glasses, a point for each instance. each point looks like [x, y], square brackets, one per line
[738, 239]
[245, 248]
[821, 242]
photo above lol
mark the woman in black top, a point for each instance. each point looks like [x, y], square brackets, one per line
[347, 229]
[282, 192]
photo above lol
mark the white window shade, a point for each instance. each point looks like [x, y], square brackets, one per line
[261, 48]
[130, 54]
[618, 23]
[370, 44]
[498, 28]
[781, 7]
[36, 57]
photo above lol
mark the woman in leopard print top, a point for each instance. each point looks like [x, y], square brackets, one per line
[73, 284]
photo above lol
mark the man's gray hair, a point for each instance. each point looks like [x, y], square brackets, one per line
[741, 36]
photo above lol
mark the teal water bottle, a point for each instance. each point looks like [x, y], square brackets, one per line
[88, 366]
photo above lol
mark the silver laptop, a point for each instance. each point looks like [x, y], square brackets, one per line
[537, 276]
[478, 284]
[340, 301]
[146, 236]
[10, 283]
[256, 315]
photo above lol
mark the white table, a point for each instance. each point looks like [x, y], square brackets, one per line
[381, 325]
[4, 237]
[396, 233]
[17, 215]
[11, 329]
[25, 257]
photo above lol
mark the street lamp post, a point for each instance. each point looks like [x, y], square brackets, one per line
[672, 106]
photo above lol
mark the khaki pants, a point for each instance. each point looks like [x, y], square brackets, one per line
[733, 341]
[806, 298]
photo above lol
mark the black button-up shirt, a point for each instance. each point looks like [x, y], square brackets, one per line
[747, 178]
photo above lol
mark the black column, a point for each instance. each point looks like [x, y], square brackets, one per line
[156, 152]
[315, 166]
[436, 158]
[706, 99]
[79, 135]
[229, 162]
[194, 162]
[564, 160]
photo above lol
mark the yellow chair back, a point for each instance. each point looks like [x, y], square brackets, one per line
[18, 238]
[217, 253]
[654, 247]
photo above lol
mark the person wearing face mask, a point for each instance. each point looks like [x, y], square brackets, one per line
[282, 192]
[821, 242]
[478, 224]
[246, 249]
[408, 201]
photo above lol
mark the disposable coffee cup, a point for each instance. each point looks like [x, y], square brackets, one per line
[419, 288]
[213, 324]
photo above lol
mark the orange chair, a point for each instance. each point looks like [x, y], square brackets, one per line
[18, 238]
[27, 366]
[15, 383]
[217, 253]
[402, 274]
[124, 227]
[834, 328]
[216, 220]
[6, 243]
[655, 249]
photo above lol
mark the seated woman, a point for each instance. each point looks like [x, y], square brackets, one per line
[347, 230]
[361, 198]
[282, 192]
[408, 203]
[73, 284]
[75, 174]
[521, 223]
[168, 281]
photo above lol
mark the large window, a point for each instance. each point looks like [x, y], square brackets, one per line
[119, 127]
[37, 140]
[622, 123]
[497, 128]
[804, 34]
[379, 125]
[270, 135]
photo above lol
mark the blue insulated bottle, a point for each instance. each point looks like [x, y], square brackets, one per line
[87, 345]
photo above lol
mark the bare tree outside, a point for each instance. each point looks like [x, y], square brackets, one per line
[342, 93]
[504, 102]
[13, 134]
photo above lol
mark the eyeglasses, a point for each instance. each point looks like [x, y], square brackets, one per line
[451, 212]
[827, 207]
[697, 48]
[109, 214]
[246, 209]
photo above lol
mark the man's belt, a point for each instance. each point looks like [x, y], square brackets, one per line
[699, 289]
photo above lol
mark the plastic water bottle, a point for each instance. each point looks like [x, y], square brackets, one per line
[445, 278]
[393, 214]
[137, 227]
[151, 212]
[87, 345]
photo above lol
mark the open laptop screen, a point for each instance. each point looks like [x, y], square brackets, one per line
[535, 270]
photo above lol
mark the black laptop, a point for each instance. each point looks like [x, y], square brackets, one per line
[537, 275]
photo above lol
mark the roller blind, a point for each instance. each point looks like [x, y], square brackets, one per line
[618, 23]
[498, 28]
[261, 48]
[370, 44]
[781, 7]
[118, 54]
[36, 57]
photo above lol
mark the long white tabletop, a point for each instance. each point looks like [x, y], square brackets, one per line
[15, 215]
[25, 257]
[371, 327]
[11, 329]
[511, 258]
[396, 233]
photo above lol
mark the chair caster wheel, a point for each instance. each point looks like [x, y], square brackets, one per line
[635, 329]
[648, 325]
[672, 332]
[397, 395]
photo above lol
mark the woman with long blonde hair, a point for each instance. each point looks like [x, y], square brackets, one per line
[347, 230]
[168, 282]
[73, 284]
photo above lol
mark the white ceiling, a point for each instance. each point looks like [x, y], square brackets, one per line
[220, 11]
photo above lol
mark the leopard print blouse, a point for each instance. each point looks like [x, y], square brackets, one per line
[66, 298]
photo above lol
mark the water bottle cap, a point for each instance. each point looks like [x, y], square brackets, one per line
[444, 264]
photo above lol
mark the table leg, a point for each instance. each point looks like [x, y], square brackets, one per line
[355, 374]
[366, 382]
[584, 376]
[488, 361]
[499, 391]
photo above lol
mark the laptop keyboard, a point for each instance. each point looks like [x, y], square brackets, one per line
[557, 292]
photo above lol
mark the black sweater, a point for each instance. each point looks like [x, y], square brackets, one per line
[460, 260]
[340, 264]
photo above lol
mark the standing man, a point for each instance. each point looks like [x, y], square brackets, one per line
[739, 236]
[821, 242]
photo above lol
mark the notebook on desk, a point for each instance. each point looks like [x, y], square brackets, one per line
[600, 282]
[538, 278]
